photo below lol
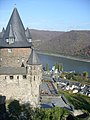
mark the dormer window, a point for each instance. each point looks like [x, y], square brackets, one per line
[9, 50]
[7, 40]
[10, 38]
[29, 40]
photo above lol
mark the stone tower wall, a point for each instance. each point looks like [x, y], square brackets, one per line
[19, 89]
[35, 72]
[14, 57]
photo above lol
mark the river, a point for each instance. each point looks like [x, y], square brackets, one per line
[68, 64]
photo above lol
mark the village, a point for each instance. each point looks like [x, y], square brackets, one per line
[54, 77]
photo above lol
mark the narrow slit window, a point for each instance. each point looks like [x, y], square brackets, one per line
[24, 76]
[11, 77]
[34, 78]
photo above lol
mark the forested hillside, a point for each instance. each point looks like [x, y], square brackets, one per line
[73, 43]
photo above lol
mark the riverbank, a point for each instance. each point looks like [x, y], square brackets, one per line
[67, 57]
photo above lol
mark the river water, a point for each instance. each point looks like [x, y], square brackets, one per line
[68, 64]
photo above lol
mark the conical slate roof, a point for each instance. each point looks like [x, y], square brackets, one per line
[28, 35]
[33, 59]
[18, 31]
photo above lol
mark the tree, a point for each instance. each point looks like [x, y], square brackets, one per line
[28, 112]
[56, 66]
[60, 67]
[47, 67]
[55, 113]
[63, 114]
[39, 114]
[85, 74]
[14, 109]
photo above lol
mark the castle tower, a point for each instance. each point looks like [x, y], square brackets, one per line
[14, 46]
[34, 69]
[20, 69]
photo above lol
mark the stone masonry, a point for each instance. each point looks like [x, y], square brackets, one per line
[24, 88]
[14, 57]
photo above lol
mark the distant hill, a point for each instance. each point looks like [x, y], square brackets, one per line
[44, 35]
[73, 43]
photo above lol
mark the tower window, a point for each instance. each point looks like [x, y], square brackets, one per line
[24, 77]
[10, 40]
[17, 77]
[34, 78]
[7, 40]
[11, 77]
[22, 65]
[29, 40]
[9, 50]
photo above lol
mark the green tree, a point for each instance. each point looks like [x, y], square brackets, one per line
[56, 65]
[27, 111]
[63, 114]
[60, 67]
[69, 76]
[62, 75]
[39, 114]
[47, 67]
[14, 110]
[55, 113]
[85, 74]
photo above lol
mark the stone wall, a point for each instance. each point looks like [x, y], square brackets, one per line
[20, 88]
[14, 57]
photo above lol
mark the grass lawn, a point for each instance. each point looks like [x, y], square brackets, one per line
[79, 101]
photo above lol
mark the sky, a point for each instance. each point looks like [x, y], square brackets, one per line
[55, 15]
